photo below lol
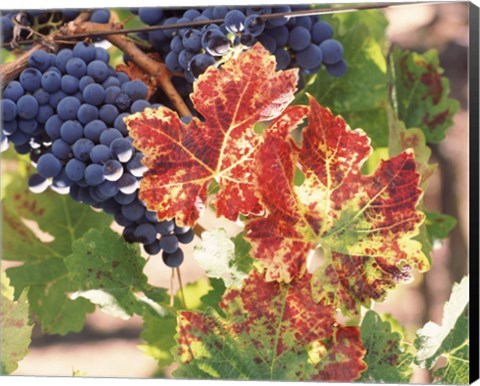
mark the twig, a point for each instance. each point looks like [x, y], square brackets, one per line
[172, 294]
[181, 287]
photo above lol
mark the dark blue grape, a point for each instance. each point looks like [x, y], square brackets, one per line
[13, 91]
[87, 113]
[28, 126]
[127, 183]
[176, 44]
[321, 31]
[123, 101]
[337, 69]
[98, 70]
[48, 165]
[169, 243]
[122, 149]
[75, 169]
[42, 96]
[139, 106]
[61, 149]
[283, 58]
[39, 60]
[19, 138]
[71, 131]
[272, 23]
[108, 114]
[199, 64]
[153, 248]
[268, 42]
[9, 108]
[101, 16]
[82, 148]
[215, 42]
[100, 154]
[133, 211]
[37, 183]
[53, 125]
[332, 51]
[234, 21]
[150, 16]
[102, 54]
[135, 89]
[173, 260]
[68, 107]
[135, 166]
[93, 130]
[171, 60]
[84, 82]
[254, 25]
[145, 233]
[299, 38]
[113, 170]
[310, 58]
[69, 84]
[108, 188]
[9, 127]
[108, 136]
[111, 81]
[84, 51]
[27, 107]
[63, 56]
[76, 67]
[94, 94]
[44, 113]
[186, 237]
[192, 40]
[125, 199]
[94, 174]
[165, 227]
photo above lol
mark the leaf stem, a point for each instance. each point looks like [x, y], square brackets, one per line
[172, 278]
[182, 294]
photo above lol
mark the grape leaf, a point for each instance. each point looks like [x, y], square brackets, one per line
[360, 95]
[439, 225]
[221, 257]
[387, 357]
[108, 271]
[44, 269]
[450, 340]
[421, 93]
[273, 331]
[15, 328]
[364, 224]
[159, 327]
[184, 159]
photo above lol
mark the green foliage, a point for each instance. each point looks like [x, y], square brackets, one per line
[387, 357]
[421, 93]
[360, 96]
[15, 328]
[439, 225]
[44, 270]
[108, 271]
[450, 339]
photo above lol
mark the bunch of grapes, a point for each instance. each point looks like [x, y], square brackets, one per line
[43, 22]
[66, 111]
[304, 42]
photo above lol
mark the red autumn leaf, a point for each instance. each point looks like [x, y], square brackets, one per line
[184, 159]
[363, 224]
[272, 331]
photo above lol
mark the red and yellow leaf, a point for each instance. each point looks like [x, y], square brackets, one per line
[364, 224]
[272, 331]
[183, 160]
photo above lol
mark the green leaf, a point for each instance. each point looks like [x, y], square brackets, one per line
[15, 328]
[420, 93]
[224, 258]
[214, 296]
[387, 357]
[108, 271]
[360, 96]
[439, 225]
[450, 339]
[60, 221]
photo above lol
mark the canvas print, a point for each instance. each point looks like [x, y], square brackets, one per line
[262, 192]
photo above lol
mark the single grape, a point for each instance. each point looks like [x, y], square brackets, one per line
[69, 84]
[93, 130]
[234, 21]
[84, 51]
[135, 166]
[76, 67]
[337, 69]
[173, 260]
[61, 149]
[82, 148]
[122, 149]
[299, 38]
[133, 211]
[53, 125]
[71, 131]
[30, 79]
[127, 183]
[13, 91]
[108, 114]
[27, 107]
[145, 233]
[321, 31]
[9, 108]
[98, 70]
[187, 237]
[94, 174]
[153, 248]
[169, 243]
[109, 135]
[108, 189]
[51, 81]
[150, 16]
[309, 58]
[199, 64]
[68, 107]
[94, 94]
[332, 51]
[37, 183]
[101, 16]
[112, 170]
[48, 165]
[254, 25]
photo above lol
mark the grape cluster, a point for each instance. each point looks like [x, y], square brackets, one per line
[303, 42]
[66, 111]
[43, 22]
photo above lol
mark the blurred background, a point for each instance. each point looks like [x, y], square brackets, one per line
[108, 347]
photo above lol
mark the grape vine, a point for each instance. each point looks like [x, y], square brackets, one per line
[127, 126]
